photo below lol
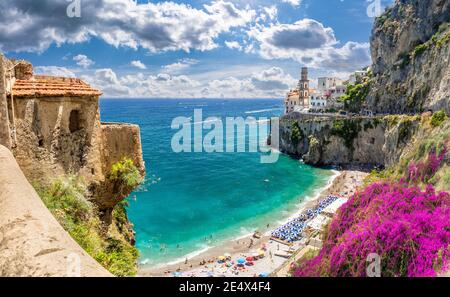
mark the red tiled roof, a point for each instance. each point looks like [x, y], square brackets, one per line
[51, 86]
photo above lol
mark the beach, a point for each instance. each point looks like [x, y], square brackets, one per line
[343, 184]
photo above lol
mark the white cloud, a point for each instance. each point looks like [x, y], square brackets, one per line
[180, 66]
[54, 71]
[271, 12]
[310, 43]
[138, 64]
[165, 26]
[83, 61]
[233, 45]
[294, 3]
[269, 83]
[107, 81]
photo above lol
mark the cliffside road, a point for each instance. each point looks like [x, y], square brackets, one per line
[32, 243]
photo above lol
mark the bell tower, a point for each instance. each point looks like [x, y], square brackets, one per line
[303, 87]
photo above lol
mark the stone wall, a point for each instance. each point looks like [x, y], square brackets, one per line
[121, 141]
[5, 133]
[49, 146]
[32, 243]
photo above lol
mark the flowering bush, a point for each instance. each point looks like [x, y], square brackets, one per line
[425, 170]
[407, 227]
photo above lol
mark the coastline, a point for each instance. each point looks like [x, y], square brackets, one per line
[343, 183]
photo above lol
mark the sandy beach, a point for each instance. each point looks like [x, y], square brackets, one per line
[344, 184]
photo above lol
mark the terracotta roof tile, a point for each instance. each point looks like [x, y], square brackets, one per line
[50, 86]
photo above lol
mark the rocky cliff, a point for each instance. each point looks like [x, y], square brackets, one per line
[347, 141]
[410, 47]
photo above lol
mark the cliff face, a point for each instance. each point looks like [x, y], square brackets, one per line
[343, 141]
[410, 46]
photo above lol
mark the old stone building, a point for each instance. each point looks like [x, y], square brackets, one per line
[52, 125]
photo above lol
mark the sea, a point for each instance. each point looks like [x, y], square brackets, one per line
[192, 201]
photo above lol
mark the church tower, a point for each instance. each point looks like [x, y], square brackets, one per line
[303, 88]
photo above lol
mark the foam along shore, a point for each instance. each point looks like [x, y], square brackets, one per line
[277, 253]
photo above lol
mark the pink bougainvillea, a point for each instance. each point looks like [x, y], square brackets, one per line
[408, 228]
[425, 170]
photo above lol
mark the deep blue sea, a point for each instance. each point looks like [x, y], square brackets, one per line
[192, 201]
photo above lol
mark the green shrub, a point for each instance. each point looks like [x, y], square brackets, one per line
[348, 130]
[355, 96]
[420, 49]
[120, 258]
[438, 118]
[65, 198]
[296, 133]
[126, 172]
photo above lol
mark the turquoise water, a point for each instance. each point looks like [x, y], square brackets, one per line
[191, 201]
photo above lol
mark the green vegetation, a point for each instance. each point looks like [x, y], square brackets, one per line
[65, 198]
[296, 133]
[420, 49]
[438, 118]
[405, 129]
[126, 173]
[348, 130]
[355, 96]
[439, 39]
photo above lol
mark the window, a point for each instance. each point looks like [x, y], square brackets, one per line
[74, 121]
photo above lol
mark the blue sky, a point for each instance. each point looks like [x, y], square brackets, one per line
[181, 49]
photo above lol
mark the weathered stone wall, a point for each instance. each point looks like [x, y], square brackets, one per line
[121, 141]
[361, 141]
[5, 132]
[118, 141]
[32, 243]
[47, 146]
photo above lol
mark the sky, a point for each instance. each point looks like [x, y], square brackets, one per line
[190, 49]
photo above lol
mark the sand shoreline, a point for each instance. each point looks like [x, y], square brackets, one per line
[343, 183]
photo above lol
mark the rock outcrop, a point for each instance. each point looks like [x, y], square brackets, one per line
[347, 141]
[410, 47]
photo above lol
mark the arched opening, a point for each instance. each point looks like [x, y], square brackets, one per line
[74, 121]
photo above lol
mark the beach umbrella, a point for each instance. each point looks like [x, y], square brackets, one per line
[249, 259]
[241, 261]
[221, 258]
[261, 252]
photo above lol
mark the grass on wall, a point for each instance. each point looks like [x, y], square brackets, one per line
[65, 198]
